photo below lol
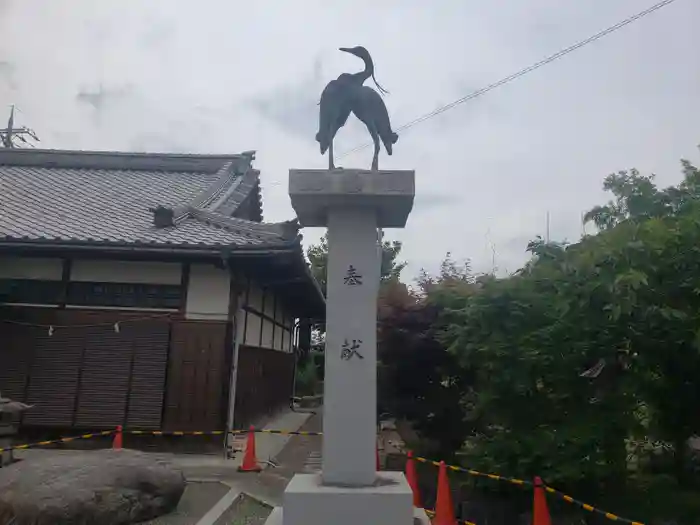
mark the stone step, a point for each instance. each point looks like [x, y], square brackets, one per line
[313, 462]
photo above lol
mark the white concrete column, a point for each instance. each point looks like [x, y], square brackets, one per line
[353, 205]
[350, 396]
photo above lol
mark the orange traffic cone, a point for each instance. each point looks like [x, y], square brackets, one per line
[250, 461]
[412, 479]
[540, 512]
[118, 438]
[444, 510]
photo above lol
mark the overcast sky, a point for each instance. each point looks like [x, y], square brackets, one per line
[223, 76]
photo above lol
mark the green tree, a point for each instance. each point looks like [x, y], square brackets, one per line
[418, 379]
[568, 352]
[636, 197]
[453, 276]
[659, 273]
[527, 339]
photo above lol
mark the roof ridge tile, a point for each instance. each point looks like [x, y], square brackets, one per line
[223, 199]
[121, 160]
[242, 226]
[164, 216]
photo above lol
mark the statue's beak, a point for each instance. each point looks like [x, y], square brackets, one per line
[346, 49]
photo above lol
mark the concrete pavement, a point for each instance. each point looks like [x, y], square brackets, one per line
[211, 466]
[215, 483]
[301, 454]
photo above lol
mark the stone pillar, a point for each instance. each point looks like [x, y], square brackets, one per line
[353, 205]
[350, 392]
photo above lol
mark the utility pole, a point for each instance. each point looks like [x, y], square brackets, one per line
[11, 137]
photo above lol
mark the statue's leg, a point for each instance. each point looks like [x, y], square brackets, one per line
[331, 163]
[375, 139]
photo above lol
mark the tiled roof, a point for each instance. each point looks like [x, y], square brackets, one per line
[51, 195]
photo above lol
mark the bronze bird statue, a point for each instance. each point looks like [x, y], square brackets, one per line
[348, 94]
[358, 79]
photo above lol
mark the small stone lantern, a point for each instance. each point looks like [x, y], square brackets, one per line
[9, 412]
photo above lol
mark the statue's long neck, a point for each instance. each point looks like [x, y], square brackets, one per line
[368, 71]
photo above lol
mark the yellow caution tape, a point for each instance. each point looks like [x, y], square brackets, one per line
[516, 481]
[473, 472]
[175, 432]
[289, 432]
[455, 468]
[56, 441]
[221, 432]
[591, 508]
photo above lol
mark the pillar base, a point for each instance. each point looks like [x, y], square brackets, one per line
[308, 502]
[388, 194]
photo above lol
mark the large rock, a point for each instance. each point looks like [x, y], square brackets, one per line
[104, 487]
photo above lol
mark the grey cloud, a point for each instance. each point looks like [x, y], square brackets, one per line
[156, 34]
[431, 202]
[227, 77]
[98, 98]
[294, 105]
[156, 142]
[7, 74]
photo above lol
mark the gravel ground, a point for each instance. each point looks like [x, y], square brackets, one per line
[245, 511]
[195, 503]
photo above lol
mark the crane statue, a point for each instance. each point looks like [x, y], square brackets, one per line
[348, 94]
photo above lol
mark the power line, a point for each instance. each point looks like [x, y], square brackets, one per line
[522, 72]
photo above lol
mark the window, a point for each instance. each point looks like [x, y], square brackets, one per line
[31, 291]
[125, 295]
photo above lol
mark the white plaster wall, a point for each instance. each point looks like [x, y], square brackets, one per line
[279, 338]
[252, 332]
[254, 323]
[31, 268]
[275, 338]
[255, 297]
[267, 341]
[282, 334]
[286, 340]
[137, 272]
[208, 293]
[288, 335]
[269, 304]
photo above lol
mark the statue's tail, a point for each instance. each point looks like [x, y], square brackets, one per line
[381, 89]
[389, 142]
